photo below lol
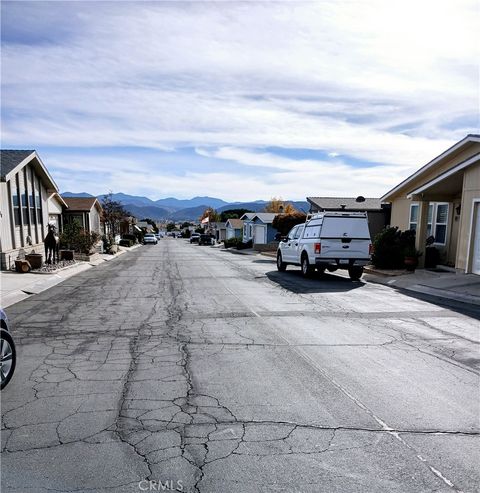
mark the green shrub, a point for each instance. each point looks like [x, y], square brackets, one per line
[74, 237]
[390, 246]
[243, 245]
[232, 242]
[126, 243]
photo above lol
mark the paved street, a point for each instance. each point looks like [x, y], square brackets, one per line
[211, 372]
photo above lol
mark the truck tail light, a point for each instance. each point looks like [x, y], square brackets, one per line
[318, 248]
[370, 249]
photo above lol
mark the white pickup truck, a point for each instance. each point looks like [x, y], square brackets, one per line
[328, 240]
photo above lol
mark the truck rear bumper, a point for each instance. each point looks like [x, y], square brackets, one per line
[341, 263]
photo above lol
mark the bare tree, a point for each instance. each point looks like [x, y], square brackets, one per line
[113, 213]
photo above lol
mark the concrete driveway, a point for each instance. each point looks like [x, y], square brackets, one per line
[180, 367]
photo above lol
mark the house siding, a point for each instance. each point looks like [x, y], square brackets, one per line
[6, 239]
[14, 237]
[471, 191]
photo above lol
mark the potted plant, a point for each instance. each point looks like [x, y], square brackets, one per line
[411, 256]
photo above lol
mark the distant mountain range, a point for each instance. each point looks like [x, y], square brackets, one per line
[174, 209]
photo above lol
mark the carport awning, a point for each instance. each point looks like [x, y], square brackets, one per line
[447, 184]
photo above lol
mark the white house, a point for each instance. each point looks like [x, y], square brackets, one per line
[25, 189]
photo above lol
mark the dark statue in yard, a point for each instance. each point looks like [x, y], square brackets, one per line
[52, 245]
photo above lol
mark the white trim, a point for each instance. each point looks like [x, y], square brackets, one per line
[468, 266]
[434, 222]
[467, 139]
[59, 198]
[410, 222]
[448, 173]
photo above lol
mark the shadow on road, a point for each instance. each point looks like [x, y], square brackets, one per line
[264, 261]
[318, 283]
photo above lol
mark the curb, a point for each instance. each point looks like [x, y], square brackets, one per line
[238, 252]
[377, 272]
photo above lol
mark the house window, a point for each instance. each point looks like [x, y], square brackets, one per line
[16, 205]
[24, 208]
[413, 217]
[430, 219]
[38, 201]
[437, 219]
[441, 219]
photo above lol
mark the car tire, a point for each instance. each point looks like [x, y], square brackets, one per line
[307, 269]
[8, 357]
[281, 265]
[355, 273]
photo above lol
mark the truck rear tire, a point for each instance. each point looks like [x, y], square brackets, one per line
[355, 273]
[307, 269]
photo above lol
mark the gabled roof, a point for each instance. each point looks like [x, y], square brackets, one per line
[13, 160]
[59, 198]
[248, 216]
[84, 204]
[350, 203]
[234, 223]
[449, 153]
[265, 217]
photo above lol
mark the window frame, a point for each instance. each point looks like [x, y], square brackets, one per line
[435, 222]
[410, 222]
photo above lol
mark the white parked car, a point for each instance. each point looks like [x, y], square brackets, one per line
[150, 238]
[328, 240]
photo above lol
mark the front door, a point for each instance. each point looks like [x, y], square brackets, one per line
[476, 240]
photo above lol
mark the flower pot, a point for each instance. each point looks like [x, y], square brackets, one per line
[35, 260]
[411, 263]
[66, 254]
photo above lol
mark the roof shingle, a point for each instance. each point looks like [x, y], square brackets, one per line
[350, 203]
[10, 159]
[79, 203]
[235, 223]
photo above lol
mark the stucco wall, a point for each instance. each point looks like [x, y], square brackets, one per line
[471, 187]
[400, 213]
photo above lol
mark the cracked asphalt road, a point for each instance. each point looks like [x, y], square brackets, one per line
[211, 372]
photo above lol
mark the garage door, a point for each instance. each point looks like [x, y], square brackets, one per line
[260, 235]
[476, 240]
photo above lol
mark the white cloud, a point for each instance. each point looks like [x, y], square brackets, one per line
[373, 80]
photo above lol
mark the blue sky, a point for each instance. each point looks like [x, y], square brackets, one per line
[238, 100]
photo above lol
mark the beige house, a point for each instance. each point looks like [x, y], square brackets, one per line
[27, 192]
[442, 199]
[86, 211]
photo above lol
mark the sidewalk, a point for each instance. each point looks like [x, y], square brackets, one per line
[449, 285]
[15, 287]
